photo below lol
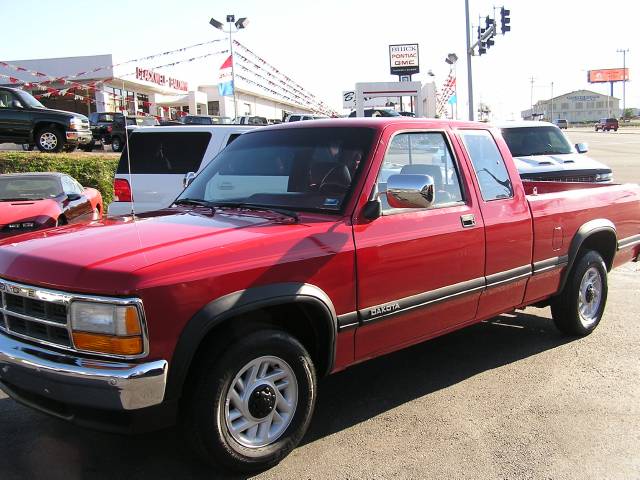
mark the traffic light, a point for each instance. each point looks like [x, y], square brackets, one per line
[482, 45]
[488, 22]
[505, 20]
[490, 42]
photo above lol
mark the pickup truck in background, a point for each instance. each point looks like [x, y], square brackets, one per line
[24, 120]
[542, 152]
[299, 250]
[107, 128]
[161, 160]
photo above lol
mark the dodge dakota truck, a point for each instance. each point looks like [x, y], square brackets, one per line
[301, 249]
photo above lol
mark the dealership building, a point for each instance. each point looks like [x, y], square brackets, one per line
[576, 107]
[104, 86]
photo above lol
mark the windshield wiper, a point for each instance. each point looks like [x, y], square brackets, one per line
[252, 206]
[195, 201]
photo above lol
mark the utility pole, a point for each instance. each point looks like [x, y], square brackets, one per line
[469, 53]
[623, 51]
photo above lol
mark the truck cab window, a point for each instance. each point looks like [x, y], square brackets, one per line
[488, 164]
[424, 153]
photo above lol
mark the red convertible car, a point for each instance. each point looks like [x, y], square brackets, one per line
[33, 201]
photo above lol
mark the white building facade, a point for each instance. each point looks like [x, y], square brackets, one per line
[576, 107]
[95, 83]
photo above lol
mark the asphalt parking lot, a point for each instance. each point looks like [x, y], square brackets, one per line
[510, 398]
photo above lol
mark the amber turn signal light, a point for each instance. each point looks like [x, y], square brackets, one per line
[108, 344]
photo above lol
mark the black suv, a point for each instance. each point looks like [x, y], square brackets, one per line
[23, 119]
[108, 128]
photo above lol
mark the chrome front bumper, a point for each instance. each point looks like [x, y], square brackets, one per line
[74, 380]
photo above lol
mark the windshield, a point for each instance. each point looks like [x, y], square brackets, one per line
[28, 100]
[29, 188]
[296, 168]
[526, 141]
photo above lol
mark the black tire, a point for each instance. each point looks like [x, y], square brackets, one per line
[49, 139]
[205, 423]
[565, 309]
[116, 144]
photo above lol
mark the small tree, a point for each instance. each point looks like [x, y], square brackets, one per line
[628, 113]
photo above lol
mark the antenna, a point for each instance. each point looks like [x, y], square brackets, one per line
[126, 146]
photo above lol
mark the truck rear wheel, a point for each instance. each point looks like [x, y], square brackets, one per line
[251, 406]
[579, 308]
[49, 139]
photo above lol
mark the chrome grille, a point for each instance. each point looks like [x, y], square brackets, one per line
[35, 314]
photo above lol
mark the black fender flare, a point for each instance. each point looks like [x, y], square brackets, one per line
[584, 232]
[222, 309]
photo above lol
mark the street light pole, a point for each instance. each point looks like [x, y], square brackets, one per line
[233, 74]
[239, 24]
[469, 52]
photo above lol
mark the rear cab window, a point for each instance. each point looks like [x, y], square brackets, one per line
[164, 152]
[488, 164]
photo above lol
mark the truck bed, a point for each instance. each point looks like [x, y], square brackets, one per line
[559, 209]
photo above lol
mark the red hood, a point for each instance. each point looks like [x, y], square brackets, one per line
[111, 257]
[25, 210]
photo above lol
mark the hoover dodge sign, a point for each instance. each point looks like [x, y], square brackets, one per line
[404, 59]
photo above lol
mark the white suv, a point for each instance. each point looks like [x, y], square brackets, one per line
[161, 159]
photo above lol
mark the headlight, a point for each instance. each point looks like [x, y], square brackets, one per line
[107, 328]
[75, 123]
[604, 177]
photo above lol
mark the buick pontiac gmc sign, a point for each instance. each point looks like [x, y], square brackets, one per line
[404, 59]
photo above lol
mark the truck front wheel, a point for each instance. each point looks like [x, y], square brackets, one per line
[579, 308]
[252, 405]
[49, 139]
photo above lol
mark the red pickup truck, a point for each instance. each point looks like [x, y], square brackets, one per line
[298, 251]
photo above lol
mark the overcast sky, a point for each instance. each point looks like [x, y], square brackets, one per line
[328, 45]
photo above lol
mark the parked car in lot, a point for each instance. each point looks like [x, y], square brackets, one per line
[378, 112]
[250, 120]
[108, 128]
[205, 120]
[541, 152]
[162, 159]
[24, 120]
[606, 124]
[280, 263]
[561, 123]
[34, 201]
[298, 117]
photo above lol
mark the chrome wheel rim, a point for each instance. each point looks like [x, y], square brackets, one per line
[590, 296]
[261, 402]
[48, 141]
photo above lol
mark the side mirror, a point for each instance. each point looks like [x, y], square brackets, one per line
[72, 197]
[582, 147]
[188, 178]
[410, 191]
[16, 104]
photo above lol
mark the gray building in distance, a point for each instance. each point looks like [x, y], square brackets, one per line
[575, 107]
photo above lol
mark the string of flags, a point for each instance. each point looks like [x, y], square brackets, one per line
[447, 94]
[269, 78]
[62, 79]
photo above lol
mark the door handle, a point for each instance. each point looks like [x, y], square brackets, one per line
[468, 220]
